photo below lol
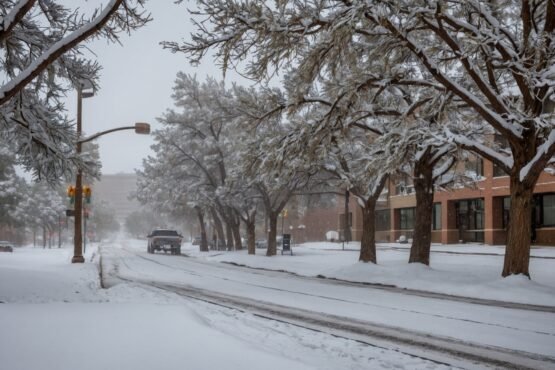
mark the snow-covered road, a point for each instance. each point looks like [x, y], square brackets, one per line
[176, 312]
[513, 329]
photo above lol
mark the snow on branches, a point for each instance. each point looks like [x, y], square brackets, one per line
[42, 58]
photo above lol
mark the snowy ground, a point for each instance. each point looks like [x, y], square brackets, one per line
[469, 270]
[54, 315]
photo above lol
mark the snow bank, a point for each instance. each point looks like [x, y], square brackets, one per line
[465, 270]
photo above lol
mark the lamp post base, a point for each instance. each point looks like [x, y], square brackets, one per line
[78, 259]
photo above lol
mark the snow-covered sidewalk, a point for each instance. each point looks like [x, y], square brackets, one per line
[468, 270]
[54, 316]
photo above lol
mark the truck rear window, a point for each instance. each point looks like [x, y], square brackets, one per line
[164, 233]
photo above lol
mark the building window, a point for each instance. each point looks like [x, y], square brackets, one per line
[543, 210]
[470, 219]
[498, 171]
[506, 211]
[406, 216]
[474, 166]
[436, 217]
[382, 220]
[548, 209]
[404, 186]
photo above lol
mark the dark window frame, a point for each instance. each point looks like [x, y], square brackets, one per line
[435, 208]
[498, 171]
[159, 232]
[506, 211]
[382, 223]
[539, 210]
[539, 198]
[405, 220]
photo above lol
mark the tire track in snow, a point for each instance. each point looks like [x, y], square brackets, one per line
[339, 282]
[421, 345]
[440, 350]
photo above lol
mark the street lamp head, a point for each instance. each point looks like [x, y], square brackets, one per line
[87, 89]
[142, 128]
[87, 94]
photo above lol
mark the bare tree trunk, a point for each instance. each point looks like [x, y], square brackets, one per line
[273, 220]
[229, 233]
[422, 235]
[368, 240]
[59, 231]
[517, 252]
[251, 235]
[43, 237]
[236, 228]
[266, 222]
[234, 223]
[219, 228]
[203, 241]
[34, 236]
[49, 238]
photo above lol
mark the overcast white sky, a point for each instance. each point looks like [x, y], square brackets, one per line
[136, 83]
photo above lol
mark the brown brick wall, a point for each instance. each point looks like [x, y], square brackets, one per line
[491, 190]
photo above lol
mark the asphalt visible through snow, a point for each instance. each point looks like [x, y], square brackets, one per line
[444, 329]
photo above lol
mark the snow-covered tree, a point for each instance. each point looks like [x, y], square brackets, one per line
[140, 223]
[42, 207]
[11, 188]
[102, 220]
[42, 58]
[496, 57]
[263, 166]
[193, 153]
[240, 194]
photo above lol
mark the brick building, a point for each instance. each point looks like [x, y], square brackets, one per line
[468, 214]
[306, 220]
[314, 225]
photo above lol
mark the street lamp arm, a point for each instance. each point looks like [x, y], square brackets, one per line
[140, 128]
[98, 134]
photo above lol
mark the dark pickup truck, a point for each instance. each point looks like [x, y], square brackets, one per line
[164, 240]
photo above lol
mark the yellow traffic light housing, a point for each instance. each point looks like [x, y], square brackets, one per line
[87, 192]
[71, 193]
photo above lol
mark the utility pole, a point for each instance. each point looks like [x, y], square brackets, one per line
[85, 216]
[139, 127]
[78, 236]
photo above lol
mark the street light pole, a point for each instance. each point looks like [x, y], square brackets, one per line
[139, 127]
[78, 236]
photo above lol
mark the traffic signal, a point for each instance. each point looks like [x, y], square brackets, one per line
[71, 193]
[87, 192]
